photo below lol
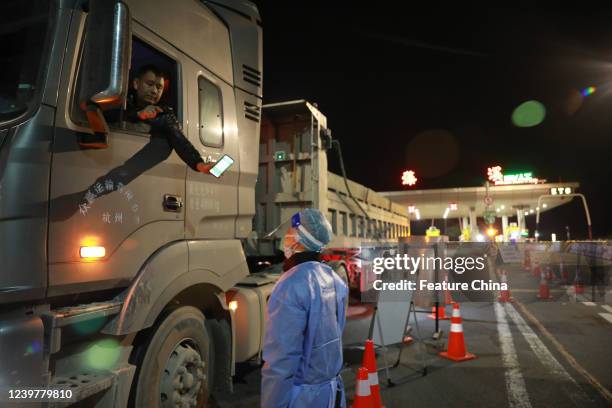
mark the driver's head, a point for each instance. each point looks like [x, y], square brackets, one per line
[149, 85]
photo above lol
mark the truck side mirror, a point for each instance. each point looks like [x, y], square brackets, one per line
[105, 65]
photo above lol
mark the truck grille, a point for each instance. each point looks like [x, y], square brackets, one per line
[251, 111]
[251, 75]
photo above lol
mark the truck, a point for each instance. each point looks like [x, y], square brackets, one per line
[126, 277]
[295, 145]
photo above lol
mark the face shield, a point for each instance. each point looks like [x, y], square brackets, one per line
[309, 231]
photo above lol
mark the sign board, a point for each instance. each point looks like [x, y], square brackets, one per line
[497, 177]
[489, 217]
[561, 190]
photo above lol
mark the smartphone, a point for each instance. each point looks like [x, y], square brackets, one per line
[222, 165]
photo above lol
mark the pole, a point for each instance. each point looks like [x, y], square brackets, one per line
[586, 211]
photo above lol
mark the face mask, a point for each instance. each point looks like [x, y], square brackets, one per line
[291, 244]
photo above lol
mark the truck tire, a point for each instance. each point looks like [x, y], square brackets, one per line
[176, 364]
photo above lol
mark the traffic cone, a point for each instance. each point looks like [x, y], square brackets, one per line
[369, 362]
[505, 295]
[537, 270]
[563, 273]
[549, 274]
[578, 285]
[456, 344]
[441, 313]
[363, 396]
[448, 299]
[544, 293]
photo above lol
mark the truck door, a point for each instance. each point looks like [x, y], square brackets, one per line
[119, 197]
[212, 203]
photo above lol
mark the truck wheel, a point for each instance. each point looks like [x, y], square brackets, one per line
[176, 368]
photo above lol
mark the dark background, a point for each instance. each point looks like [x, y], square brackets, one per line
[434, 91]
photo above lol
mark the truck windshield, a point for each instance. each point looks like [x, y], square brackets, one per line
[24, 28]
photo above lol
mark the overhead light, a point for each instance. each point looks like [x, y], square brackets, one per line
[526, 212]
[503, 207]
[233, 305]
[498, 210]
[418, 214]
[480, 238]
[537, 208]
[446, 213]
[544, 205]
[531, 211]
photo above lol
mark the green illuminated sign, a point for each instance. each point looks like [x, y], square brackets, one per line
[280, 155]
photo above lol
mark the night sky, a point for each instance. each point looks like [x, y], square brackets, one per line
[434, 91]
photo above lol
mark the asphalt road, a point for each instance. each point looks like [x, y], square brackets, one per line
[530, 353]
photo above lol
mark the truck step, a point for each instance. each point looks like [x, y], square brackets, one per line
[83, 385]
[75, 314]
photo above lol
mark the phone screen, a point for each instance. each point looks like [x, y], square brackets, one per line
[222, 165]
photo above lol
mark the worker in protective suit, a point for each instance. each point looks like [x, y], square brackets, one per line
[306, 315]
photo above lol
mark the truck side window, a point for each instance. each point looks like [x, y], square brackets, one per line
[143, 55]
[211, 113]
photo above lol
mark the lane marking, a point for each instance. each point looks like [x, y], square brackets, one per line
[545, 356]
[607, 316]
[515, 383]
[570, 359]
[588, 303]
[608, 308]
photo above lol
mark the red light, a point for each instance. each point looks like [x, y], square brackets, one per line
[408, 178]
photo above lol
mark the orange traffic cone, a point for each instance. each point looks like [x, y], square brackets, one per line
[578, 285]
[448, 299]
[505, 295]
[441, 313]
[456, 344]
[549, 274]
[363, 397]
[537, 270]
[544, 293]
[563, 273]
[369, 362]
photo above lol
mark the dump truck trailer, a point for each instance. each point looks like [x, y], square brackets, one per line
[295, 143]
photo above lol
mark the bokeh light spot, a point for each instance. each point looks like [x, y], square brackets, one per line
[589, 90]
[103, 355]
[528, 114]
[90, 326]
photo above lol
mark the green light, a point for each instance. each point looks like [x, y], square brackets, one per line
[103, 355]
[280, 155]
[90, 326]
[528, 114]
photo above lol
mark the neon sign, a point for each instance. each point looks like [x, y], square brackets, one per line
[408, 178]
[496, 176]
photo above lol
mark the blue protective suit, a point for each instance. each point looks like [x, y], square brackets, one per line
[303, 343]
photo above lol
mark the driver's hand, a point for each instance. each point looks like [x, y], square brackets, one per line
[204, 168]
[150, 112]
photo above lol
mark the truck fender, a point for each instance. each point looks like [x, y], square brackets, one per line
[163, 277]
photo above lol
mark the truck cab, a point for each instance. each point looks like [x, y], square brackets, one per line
[116, 257]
